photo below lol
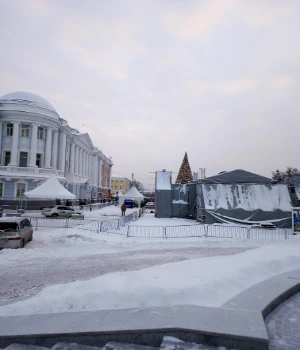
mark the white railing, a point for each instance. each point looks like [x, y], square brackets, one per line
[27, 170]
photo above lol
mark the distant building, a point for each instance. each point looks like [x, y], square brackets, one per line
[36, 142]
[120, 184]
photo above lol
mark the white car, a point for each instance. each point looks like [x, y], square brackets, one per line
[15, 232]
[58, 211]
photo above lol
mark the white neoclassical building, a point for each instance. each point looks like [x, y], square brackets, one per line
[36, 142]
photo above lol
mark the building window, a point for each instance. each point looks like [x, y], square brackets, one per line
[116, 187]
[23, 159]
[9, 129]
[25, 130]
[7, 158]
[1, 189]
[39, 160]
[40, 133]
[21, 188]
[120, 187]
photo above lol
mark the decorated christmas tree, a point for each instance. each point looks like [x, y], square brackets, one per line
[185, 174]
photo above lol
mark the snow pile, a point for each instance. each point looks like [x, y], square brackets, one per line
[171, 343]
[208, 281]
[248, 197]
[163, 180]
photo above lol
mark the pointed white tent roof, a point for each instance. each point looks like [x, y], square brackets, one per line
[132, 193]
[51, 188]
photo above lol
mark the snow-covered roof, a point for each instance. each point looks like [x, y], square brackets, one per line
[22, 99]
[118, 176]
[163, 180]
[238, 176]
[132, 193]
[50, 189]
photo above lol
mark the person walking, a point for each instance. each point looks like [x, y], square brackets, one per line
[123, 209]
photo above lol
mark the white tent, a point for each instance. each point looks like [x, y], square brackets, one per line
[50, 189]
[133, 193]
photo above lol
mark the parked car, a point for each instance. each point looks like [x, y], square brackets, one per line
[58, 210]
[15, 232]
[149, 205]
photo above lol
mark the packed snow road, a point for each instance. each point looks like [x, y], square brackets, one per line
[23, 279]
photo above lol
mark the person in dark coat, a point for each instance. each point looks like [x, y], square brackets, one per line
[123, 209]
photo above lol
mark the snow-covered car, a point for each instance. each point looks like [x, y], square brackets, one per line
[15, 232]
[58, 211]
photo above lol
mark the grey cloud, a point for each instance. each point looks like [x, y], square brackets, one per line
[149, 81]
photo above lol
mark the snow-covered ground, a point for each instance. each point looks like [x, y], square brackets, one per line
[207, 281]
[112, 271]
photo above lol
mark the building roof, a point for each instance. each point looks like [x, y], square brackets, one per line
[238, 176]
[22, 100]
[115, 176]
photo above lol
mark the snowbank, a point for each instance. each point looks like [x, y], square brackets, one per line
[248, 197]
[208, 281]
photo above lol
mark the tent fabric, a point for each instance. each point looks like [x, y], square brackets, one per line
[240, 217]
[132, 193]
[247, 196]
[50, 189]
[238, 176]
[163, 180]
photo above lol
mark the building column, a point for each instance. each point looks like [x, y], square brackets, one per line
[14, 146]
[89, 167]
[33, 145]
[76, 160]
[81, 161]
[95, 170]
[62, 151]
[48, 148]
[68, 151]
[86, 163]
[72, 159]
[100, 172]
[109, 177]
[54, 150]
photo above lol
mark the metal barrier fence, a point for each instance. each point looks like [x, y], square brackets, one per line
[121, 226]
[112, 226]
[216, 231]
[96, 206]
[146, 231]
[185, 231]
[222, 231]
[91, 225]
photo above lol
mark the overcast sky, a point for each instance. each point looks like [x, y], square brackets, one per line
[151, 79]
